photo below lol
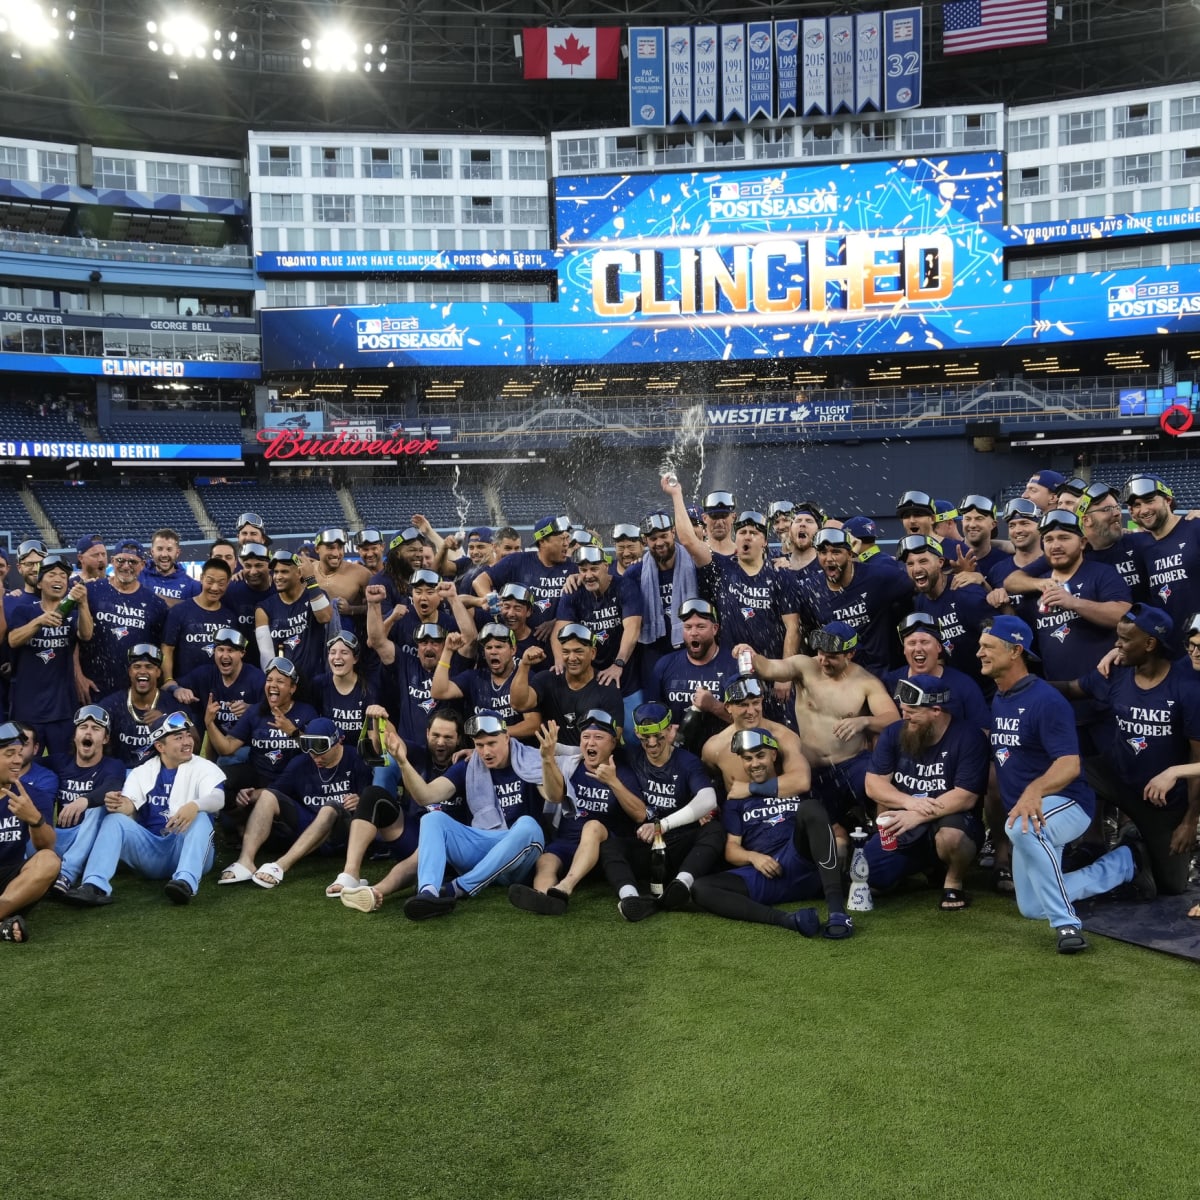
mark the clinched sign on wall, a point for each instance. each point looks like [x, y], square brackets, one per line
[815, 67]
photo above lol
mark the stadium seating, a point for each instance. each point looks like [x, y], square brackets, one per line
[14, 517]
[297, 506]
[135, 508]
[24, 423]
[392, 506]
[212, 430]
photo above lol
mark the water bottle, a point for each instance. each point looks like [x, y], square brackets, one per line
[859, 899]
[658, 864]
[66, 606]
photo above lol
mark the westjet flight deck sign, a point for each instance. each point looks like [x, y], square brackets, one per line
[780, 262]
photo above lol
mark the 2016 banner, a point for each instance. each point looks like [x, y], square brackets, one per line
[870, 62]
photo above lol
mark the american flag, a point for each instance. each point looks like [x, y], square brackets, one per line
[970, 25]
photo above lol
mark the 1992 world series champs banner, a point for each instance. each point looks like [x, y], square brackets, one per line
[790, 262]
[870, 62]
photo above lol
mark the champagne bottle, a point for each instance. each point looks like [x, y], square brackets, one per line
[658, 864]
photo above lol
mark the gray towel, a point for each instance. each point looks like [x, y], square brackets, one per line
[683, 587]
[486, 813]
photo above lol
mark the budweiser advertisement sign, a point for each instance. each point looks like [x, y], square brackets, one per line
[300, 447]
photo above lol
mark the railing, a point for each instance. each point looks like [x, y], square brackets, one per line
[147, 252]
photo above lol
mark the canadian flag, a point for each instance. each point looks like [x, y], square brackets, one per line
[571, 53]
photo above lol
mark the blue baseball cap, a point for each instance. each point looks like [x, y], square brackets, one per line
[549, 526]
[1154, 621]
[321, 727]
[862, 528]
[945, 510]
[481, 533]
[1048, 479]
[86, 543]
[1014, 632]
[130, 546]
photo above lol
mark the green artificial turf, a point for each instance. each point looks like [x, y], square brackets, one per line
[280, 1045]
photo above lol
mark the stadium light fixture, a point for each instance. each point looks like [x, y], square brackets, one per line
[185, 36]
[35, 27]
[335, 49]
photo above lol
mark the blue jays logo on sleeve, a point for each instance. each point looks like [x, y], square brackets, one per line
[1137, 744]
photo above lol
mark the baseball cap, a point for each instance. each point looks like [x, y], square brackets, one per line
[309, 548]
[1142, 487]
[656, 522]
[493, 631]
[86, 543]
[318, 736]
[1014, 632]
[1095, 492]
[409, 534]
[862, 528]
[650, 718]
[834, 638]
[1048, 479]
[1154, 621]
[814, 510]
[53, 563]
[549, 526]
[285, 558]
[130, 546]
[481, 533]
[945, 510]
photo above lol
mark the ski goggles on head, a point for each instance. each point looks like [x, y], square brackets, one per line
[916, 696]
[145, 652]
[424, 578]
[696, 607]
[1021, 509]
[284, 666]
[918, 543]
[919, 622]
[317, 743]
[253, 520]
[780, 508]
[1142, 487]
[574, 632]
[597, 718]
[1193, 625]
[650, 720]
[404, 537]
[589, 554]
[430, 631]
[745, 741]
[1060, 518]
[518, 592]
[93, 712]
[10, 733]
[484, 725]
[551, 527]
[254, 550]
[922, 500]
[979, 504]
[824, 642]
[1094, 494]
[581, 537]
[32, 546]
[284, 558]
[657, 523]
[231, 638]
[1073, 487]
[176, 722]
[346, 638]
[814, 510]
[368, 537]
[493, 631]
[741, 690]
[626, 533]
[839, 539]
[331, 537]
[751, 519]
[716, 502]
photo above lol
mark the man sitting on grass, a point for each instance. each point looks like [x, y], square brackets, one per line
[23, 882]
[160, 822]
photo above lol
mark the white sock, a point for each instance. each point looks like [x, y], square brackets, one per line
[626, 891]
[686, 878]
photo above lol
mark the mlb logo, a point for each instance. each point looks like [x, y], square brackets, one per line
[646, 47]
[1127, 291]
[727, 191]
[371, 325]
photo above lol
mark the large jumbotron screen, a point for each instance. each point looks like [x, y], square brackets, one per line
[786, 262]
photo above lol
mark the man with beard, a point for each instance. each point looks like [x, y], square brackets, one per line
[84, 777]
[163, 575]
[1099, 511]
[566, 698]
[959, 611]
[368, 545]
[290, 621]
[406, 554]
[918, 513]
[251, 529]
[805, 519]
[680, 802]
[133, 709]
[487, 688]
[92, 558]
[838, 707]
[627, 543]
[781, 849]
[694, 677]
[665, 572]
[717, 515]
[1036, 752]
[385, 819]
[601, 799]
[870, 601]
[924, 654]
[248, 590]
[124, 612]
[193, 623]
[1170, 563]
[23, 881]
[230, 682]
[928, 772]
[342, 581]
[542, 571]
[407, 680]
[160, 821]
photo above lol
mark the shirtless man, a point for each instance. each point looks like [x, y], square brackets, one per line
[744, 703]
[343, 582]
[839, 706]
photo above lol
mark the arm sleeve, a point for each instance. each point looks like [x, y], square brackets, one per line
[702, 803]
[266, 647]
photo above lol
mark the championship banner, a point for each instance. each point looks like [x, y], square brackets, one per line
[787, 67]
[647, 76]
[679, 74]
[733, 72]
[760, 74]
[902, 58]
[868, 55]
[815, 97]
[127, 368]
[841, 65]
[705, 73]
